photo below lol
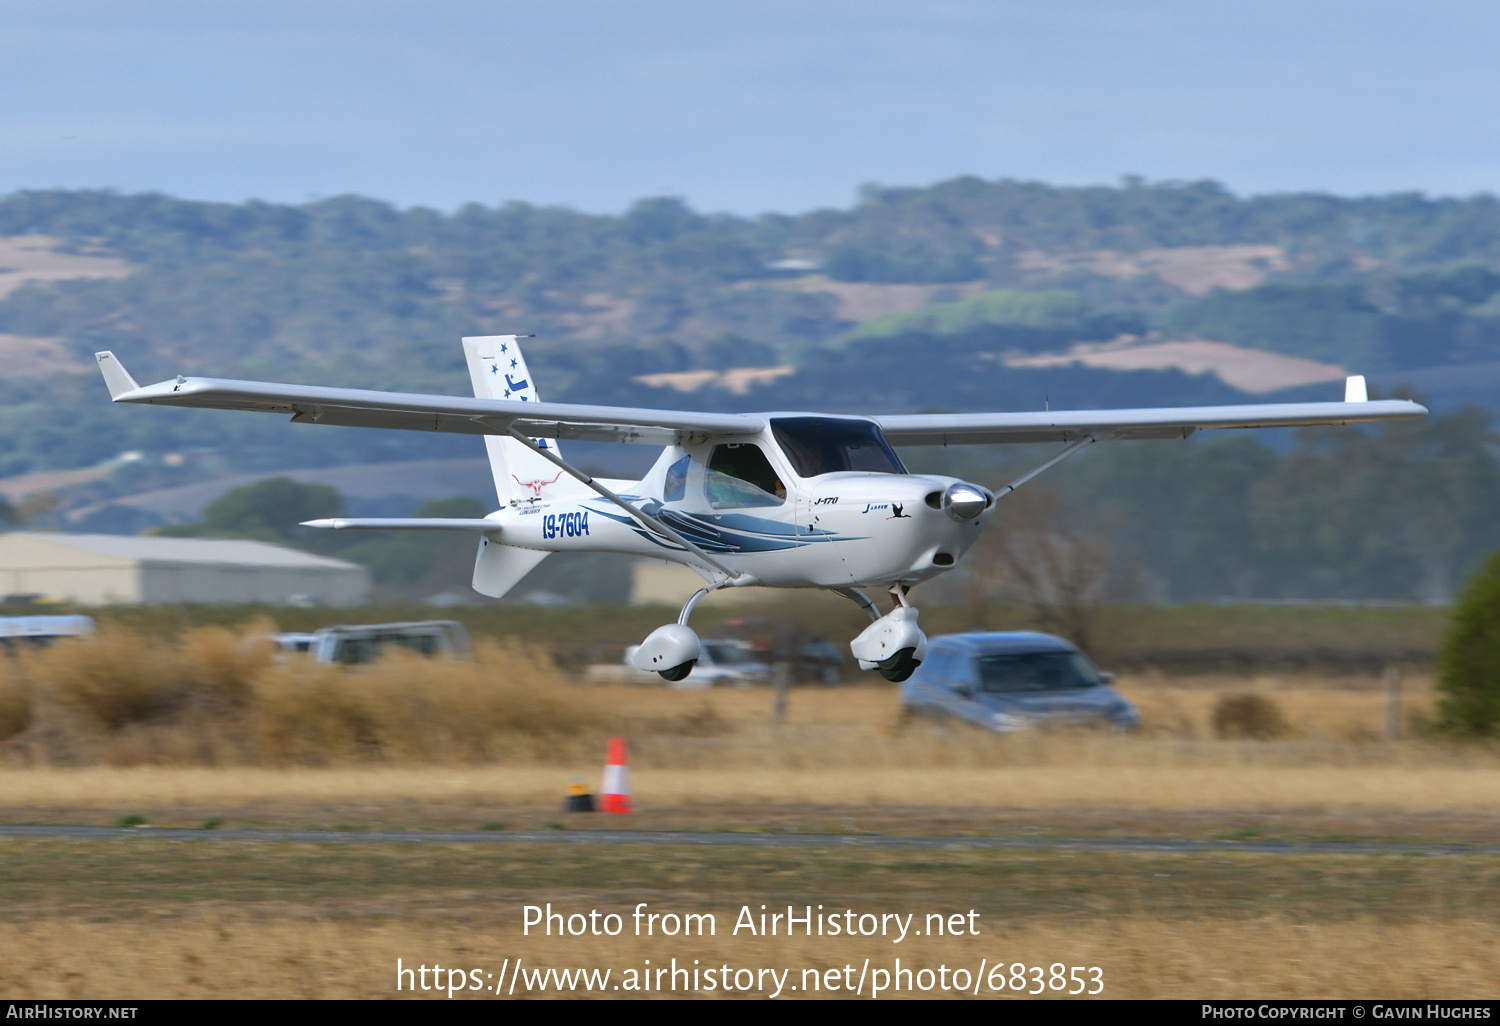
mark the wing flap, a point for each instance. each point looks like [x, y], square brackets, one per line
[354, 407]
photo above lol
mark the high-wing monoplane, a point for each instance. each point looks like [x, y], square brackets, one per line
[782, 500]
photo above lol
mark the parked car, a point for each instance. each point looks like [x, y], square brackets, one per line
[732, 662]
[42, 630]
[293, 641]
[362, 643]
[1011, 680]
[723, 661]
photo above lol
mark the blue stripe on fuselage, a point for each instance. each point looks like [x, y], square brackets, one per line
[729, 532]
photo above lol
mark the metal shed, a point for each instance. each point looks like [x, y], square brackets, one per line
[101, 569]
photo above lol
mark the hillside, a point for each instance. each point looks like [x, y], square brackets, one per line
[969, 294]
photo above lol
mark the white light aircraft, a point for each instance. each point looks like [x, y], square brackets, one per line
[782, 500]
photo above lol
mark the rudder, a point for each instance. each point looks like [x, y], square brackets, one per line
[498, 371]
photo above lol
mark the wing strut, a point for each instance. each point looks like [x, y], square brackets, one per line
[1054, 461]
[646, 519]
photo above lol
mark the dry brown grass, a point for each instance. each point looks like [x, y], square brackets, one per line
[1101, 775]
[1256, 717]
[507, 729]
[15, 707]
[216, 697]
[507, 705]
[285, 957]
[1317, 708]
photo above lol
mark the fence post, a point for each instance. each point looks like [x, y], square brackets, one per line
[781, 676]
[1392, 702]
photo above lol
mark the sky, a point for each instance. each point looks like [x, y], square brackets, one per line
[743, 106]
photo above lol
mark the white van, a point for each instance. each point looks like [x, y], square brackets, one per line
[352, 644]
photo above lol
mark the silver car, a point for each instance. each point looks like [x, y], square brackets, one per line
[1010, 680]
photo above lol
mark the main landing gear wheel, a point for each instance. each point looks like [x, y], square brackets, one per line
[681, 670]
[899, 666]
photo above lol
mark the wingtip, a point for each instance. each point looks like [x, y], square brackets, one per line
[116, 377]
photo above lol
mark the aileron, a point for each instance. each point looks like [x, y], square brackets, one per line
[1069, 426]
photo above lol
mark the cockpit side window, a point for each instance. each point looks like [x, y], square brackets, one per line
[825, 445]
[676, 483]
[739, 476]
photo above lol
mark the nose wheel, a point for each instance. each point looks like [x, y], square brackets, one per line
[900, 666]
[681, 670]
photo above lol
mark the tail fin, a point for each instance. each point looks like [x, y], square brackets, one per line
[498, 371]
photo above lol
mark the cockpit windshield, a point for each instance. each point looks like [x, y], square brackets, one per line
[826, 445]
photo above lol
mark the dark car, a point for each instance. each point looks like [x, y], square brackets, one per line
[1012, 680]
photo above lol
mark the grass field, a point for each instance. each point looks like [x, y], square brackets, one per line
[720, 753]
[216, 736]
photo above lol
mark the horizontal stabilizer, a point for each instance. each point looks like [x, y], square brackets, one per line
[499, 568]
[404, 524]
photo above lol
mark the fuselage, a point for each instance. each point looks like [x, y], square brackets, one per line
[751, 503]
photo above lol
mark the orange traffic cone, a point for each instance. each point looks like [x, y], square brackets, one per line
[614, 796]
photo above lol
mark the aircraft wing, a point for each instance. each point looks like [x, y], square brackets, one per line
[1102, 425]
[356, 407]
[461, 415]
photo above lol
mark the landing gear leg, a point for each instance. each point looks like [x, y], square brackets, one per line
[860, 599]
